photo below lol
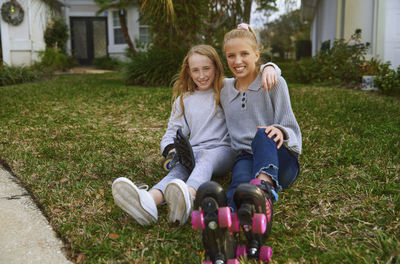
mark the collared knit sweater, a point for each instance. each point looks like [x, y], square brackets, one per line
[245, 111]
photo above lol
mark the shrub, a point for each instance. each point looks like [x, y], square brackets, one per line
[302, 71]
[370, 67]
[153, 68]
[53, 59]
[340, 64]
[56, 35]
[388, 80]
[107, 63]
[14, 75]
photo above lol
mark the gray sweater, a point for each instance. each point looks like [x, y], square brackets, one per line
[256, 107]
[204, 122]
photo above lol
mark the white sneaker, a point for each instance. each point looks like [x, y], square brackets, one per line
[179, 201]
[138, 203]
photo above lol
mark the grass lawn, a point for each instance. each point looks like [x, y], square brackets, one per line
[67, 140]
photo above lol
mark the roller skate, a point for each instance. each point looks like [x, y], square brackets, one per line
[170, 161]
[213, 217]
[254, 201]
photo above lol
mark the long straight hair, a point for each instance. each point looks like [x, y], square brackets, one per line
[183, 82]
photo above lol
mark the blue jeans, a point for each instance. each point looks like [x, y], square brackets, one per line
[280, 164]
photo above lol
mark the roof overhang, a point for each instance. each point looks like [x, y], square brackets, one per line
[308, 8]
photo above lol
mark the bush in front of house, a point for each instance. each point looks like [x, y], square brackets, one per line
[388, 80]
[107, 63]
[155, 67]
[56, 34]
[10, 75]
[52, 59]
[339, 65]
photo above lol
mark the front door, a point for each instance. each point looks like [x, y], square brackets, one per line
[89, 38]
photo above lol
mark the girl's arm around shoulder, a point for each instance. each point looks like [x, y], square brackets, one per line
[270, 73]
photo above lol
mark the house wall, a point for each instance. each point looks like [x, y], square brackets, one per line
[391, 45]
[21, 43]
[359, 14]
[324, 24]
[379, 21]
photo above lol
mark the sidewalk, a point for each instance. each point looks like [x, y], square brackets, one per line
[83, 70]
[25, 234]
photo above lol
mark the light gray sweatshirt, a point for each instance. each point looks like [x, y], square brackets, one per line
[245, 111]
[204, 122]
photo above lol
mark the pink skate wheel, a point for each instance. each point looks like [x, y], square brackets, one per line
[241, 251]
[235, 227]
[207, 262]
[259, 223]
[265, 254]
[224, 217]
[198, 220]
[233, 261]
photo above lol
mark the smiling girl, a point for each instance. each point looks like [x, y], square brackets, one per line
[264, 132]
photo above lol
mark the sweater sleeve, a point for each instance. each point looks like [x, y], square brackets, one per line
[175, 122]
[284, 117]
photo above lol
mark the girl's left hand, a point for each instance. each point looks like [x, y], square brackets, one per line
[274, 131]
[269, 77]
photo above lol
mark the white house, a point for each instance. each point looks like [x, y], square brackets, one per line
[91, 35]
[379, 21]
[21, 42]
[98, 35]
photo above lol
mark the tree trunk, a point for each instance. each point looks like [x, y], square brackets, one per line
[247, 11]
[124, 29]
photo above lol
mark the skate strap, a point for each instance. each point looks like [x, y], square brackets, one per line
[275, 194]
[266, 187]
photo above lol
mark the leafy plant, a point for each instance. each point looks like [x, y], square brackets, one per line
[53, 59]
[56, 35]
[341, 64]
[154, 67]
[14, 75]
[388, 80]
[107, 63]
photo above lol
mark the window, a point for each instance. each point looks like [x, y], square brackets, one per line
[144, 37]
[118, 36]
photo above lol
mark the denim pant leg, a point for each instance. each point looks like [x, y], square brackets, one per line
[289, 167]
[265, 154]
[280, 164]
[241, 173]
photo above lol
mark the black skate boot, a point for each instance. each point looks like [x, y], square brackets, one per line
[213, 217]
[254, 201]
[184, 151]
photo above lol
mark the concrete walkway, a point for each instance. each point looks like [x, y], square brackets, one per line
[25, 234]
[82, 70]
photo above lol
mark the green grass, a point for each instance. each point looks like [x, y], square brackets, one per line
[67, 140]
